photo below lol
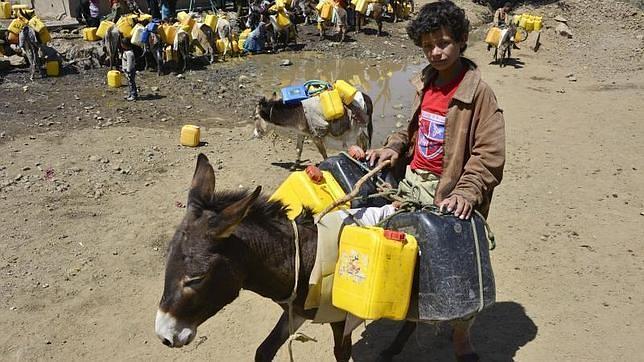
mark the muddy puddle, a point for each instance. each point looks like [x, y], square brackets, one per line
[386, 82]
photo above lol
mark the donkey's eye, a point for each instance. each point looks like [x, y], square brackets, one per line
[191, 282]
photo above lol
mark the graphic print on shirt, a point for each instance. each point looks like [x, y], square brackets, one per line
[431, 133]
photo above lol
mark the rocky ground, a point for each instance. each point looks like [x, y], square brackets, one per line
[91, 188]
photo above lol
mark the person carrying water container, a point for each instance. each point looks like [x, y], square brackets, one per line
[452, 154]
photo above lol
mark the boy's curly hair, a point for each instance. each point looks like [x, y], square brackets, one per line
[435, 15]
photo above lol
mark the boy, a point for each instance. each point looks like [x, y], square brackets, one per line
[502, 15]
[454, 146]
[129, 68]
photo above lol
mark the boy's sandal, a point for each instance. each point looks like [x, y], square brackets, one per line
[469, 357]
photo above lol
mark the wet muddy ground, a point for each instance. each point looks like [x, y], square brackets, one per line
[221, 94]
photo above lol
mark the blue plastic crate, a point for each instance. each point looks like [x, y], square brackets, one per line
[294, 94]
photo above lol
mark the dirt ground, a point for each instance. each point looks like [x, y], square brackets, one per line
[91, 188]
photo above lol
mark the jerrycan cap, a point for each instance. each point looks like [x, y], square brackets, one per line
[314, 174]
[395, 235]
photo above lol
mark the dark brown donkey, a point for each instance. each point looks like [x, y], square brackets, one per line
[233, 240]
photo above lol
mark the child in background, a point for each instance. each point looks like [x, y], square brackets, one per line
[502, 15]
[129, 68]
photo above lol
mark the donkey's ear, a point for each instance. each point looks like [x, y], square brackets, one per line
[274, 96]
[225, 223]
[203, 181]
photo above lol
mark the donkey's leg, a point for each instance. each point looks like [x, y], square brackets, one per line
[299, 147]
[32, 66]
[397, 345]
[319, 143]
[461, 339]
[268, 349]
[341, 346]
[358, 20]
[158, 57]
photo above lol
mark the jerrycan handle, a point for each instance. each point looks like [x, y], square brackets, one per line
[314, 174]
[395, 236]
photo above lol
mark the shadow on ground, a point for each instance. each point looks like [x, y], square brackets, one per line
[497, 334]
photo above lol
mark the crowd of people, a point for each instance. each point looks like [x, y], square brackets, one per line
[88, 11]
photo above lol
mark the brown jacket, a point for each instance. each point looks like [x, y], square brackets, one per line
[474, 141]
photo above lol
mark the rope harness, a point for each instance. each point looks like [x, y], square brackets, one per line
[293, 335]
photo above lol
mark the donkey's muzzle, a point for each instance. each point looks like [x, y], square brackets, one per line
[172, 332]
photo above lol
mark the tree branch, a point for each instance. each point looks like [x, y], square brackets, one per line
[354, 193]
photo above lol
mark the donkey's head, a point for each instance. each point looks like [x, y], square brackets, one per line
[204, 270]
[263, 112]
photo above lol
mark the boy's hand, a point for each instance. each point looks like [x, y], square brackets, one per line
[356, 152]
[458, 205]
[381, 154]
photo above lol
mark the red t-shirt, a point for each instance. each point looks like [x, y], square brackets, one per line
[428, 152]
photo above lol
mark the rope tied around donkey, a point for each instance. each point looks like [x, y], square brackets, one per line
[293, 335]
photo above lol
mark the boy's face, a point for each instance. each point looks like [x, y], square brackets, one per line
[441, 50]
[507, 9]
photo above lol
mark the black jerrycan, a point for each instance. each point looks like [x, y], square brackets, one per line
[455, 278]
[347, 172]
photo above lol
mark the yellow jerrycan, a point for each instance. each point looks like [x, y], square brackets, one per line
[529, 23]
[16, 25]
[40, 28]
[190, 135]
[326, 12]
[374, 274]
[522, 20]
[114, 78]
[493, 36]
[103, 27]
[361, 6]
[168, 33]
[283, 20]
[220, 45]
[332, 107]
[538, 23]
[124, 26]
[53, 68]
[185, 19]
[211, 21]
[5, 10]
[89, 34]
[311, 188]
[143, 18]
[346, 90]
